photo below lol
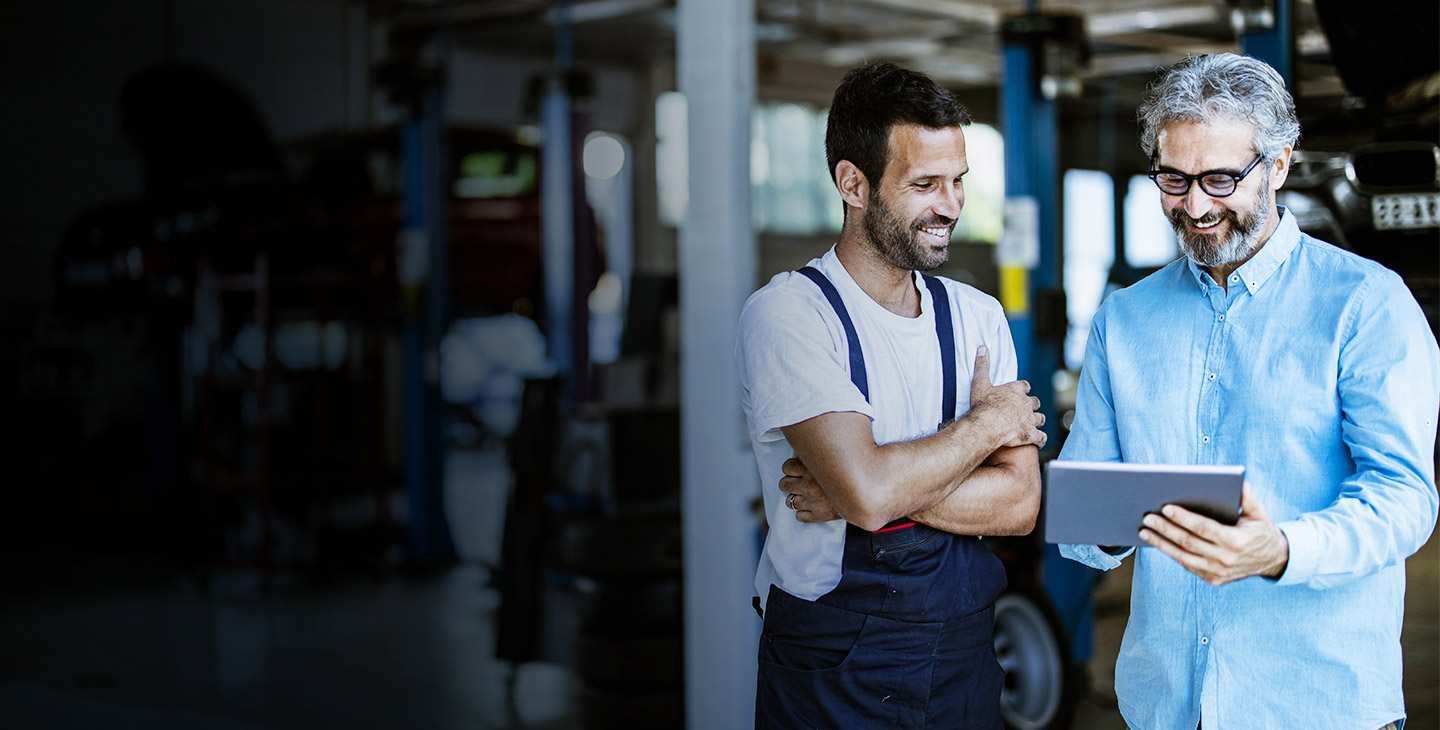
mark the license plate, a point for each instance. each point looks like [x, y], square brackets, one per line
[1409, 210]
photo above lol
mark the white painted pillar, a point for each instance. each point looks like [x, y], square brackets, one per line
[716, 69]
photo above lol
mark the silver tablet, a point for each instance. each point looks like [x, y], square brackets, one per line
[1102, 503]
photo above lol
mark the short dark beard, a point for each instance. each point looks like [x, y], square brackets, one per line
[1239, 244]
[896, 243]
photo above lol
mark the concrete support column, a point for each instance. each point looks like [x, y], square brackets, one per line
[716, 64]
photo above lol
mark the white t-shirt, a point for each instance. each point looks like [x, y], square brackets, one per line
[794, 365]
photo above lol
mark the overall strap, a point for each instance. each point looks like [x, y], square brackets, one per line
[857, 358]
[945, 331]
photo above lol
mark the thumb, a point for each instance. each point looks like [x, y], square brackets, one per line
[1250, 506]
[982, 366]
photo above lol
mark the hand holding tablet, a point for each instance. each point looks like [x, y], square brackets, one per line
[1104, 503]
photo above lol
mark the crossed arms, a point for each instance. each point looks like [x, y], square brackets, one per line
[979, 475]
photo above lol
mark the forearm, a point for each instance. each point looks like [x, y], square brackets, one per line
[869, 485]
[1000, 497]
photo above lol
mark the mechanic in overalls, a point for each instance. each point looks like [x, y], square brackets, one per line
[868, 391]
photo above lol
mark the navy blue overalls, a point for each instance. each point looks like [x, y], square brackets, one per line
[905, 639]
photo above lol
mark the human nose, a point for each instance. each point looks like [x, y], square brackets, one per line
[951, 202]
[1197, 201]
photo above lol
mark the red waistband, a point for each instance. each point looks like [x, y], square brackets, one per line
[889, 528]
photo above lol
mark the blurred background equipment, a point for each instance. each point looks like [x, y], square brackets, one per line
[371, 360]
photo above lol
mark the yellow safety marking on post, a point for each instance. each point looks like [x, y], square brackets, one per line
[1015, 289]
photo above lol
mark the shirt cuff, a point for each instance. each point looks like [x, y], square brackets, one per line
[1093, 556]
[1304, 552]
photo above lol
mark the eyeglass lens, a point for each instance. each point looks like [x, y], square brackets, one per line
[1217, 185]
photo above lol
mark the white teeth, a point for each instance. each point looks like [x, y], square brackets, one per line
[1207, 224]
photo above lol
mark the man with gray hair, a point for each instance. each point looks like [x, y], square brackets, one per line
[1312, 367]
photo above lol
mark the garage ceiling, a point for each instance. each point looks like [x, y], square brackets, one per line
[955, 41]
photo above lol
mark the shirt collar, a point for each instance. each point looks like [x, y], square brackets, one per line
[1255, 272]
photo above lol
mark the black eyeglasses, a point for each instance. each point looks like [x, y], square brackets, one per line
[1215, 183]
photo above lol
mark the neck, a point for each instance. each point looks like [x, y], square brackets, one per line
[890, 286]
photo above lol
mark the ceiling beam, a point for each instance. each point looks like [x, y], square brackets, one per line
[960, 68]
[1103, 25]
[1127, 64]
[986, 15]
[465, 13]
[1170, 42]
[589, 12]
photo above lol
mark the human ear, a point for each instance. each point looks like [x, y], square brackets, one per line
[1281, 169]
[854, 188]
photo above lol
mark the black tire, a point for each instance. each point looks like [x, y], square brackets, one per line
[1041, 683]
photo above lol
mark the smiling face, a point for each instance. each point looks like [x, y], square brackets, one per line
[911, 213]
[1219, 232]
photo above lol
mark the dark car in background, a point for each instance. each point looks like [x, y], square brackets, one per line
[1367, 174]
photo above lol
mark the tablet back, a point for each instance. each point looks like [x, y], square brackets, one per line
[1102, 503]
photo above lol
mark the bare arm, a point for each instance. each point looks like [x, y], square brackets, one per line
[871, 485]
[1001, 497]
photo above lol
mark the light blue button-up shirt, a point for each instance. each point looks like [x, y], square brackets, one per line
[1316, 370]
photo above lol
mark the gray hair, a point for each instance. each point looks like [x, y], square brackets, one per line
[1219, 86]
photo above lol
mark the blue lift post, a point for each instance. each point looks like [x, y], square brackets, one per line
[558, 205]
[425, 305]
[1032, 169]
[1272, 42]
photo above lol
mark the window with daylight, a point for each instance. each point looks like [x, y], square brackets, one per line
[1149, 239]
[791, 189]
[1089, 210]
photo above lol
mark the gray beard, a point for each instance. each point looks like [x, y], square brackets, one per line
[1241, 241]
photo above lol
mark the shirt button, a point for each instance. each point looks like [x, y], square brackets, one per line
[1221, 318]
[1204, 439]
[1235, 278]
[1204, 640]
[1211, 376]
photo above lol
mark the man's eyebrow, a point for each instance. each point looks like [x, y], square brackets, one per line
[1223, 170]
[936, 175]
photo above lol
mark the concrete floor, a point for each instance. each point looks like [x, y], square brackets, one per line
[127, 644]
[120, 644]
